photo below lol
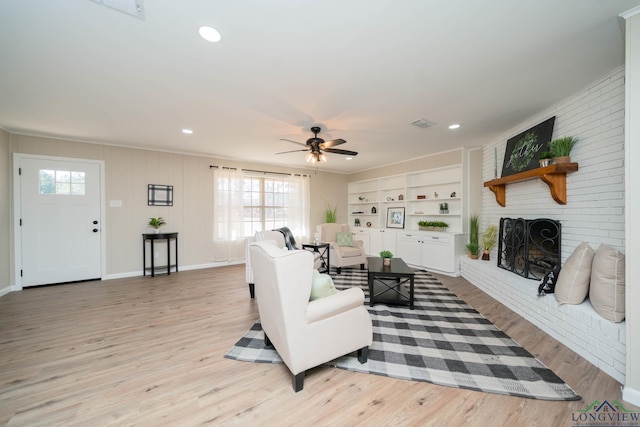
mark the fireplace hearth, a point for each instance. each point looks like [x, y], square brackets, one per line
[529, 247]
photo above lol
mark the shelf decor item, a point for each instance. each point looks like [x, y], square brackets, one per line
[433, 225]
[395, 218]
[421, 197]
[444, 208]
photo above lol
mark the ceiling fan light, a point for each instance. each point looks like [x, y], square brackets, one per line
[322, 158]
[310, 158]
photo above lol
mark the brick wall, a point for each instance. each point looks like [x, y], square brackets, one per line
[595, 194]
[594, 213]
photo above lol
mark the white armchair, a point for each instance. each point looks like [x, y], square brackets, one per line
[306, 333]
[342, 255]
[278, 237]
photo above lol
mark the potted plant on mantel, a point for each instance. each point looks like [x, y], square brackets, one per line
[386, 257]
[156, 223]
[545, 158]
[561, 148]
[489, 240]
[473, 246]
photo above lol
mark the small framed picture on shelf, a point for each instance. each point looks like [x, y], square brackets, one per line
[395, 217]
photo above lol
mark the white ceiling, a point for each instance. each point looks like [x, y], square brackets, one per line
[362, 70]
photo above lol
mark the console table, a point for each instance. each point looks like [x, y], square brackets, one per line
[153, 237]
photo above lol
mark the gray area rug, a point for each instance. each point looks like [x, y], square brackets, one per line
[442, 341]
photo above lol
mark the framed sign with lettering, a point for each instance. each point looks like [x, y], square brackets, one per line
[522, 150]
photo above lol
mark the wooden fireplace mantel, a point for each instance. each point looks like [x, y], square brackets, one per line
[555, 176]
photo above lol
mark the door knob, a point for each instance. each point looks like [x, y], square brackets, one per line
[95, 230]
[95, 222]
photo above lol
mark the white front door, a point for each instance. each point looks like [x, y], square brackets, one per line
[60, 220]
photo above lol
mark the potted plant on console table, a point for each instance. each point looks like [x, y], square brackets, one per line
[156, 223]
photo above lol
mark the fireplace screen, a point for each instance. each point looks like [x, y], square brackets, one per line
[529, 247]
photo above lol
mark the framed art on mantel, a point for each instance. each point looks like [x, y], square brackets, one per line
[522, 150]
[395, 218]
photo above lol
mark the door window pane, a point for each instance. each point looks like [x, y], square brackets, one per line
[61, 182]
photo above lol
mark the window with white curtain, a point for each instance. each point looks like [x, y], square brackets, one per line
[246, 202]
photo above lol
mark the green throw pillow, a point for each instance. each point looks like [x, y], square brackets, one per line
[344, 239]
[321, 286]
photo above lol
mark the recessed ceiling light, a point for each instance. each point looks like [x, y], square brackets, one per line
[454, 126]
[210, 34]
[187, 131]
[348, 158]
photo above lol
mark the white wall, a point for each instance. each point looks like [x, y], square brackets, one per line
[632, 385]
[127, 173]
[5, 209]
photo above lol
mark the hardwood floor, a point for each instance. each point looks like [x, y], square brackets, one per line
[149, 351]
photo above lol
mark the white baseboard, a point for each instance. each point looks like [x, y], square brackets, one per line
[630, 395]
[5, 290]
[182, 268]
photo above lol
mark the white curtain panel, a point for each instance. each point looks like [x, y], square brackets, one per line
[299, 208]
[229, 233]
[228, 236]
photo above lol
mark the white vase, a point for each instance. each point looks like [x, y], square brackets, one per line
[157, 231]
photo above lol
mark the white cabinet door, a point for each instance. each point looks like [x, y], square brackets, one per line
[437, 254]
[409, 249]
[362, 234]
[382, 240]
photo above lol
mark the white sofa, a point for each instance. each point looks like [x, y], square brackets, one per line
[305, 333]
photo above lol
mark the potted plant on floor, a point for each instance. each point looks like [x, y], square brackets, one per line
[330, 214]
[474, 246]
[386, 258]
[489, 240]
[561, 148]
[156, 223]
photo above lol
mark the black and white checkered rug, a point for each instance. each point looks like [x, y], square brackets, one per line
[442, 341]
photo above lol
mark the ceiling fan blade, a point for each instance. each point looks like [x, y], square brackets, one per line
[295, 142]
[292, 151]
[339, 151]
[332, 143]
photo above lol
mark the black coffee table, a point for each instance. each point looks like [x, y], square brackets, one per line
[386, 284]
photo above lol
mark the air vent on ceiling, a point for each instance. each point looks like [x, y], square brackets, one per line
[422, 123]
[130, 7]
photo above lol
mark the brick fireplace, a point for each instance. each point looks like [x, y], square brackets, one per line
[529, 247]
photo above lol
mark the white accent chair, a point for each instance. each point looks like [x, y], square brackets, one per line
[274, 235]
[306, 333]
[342, 256]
